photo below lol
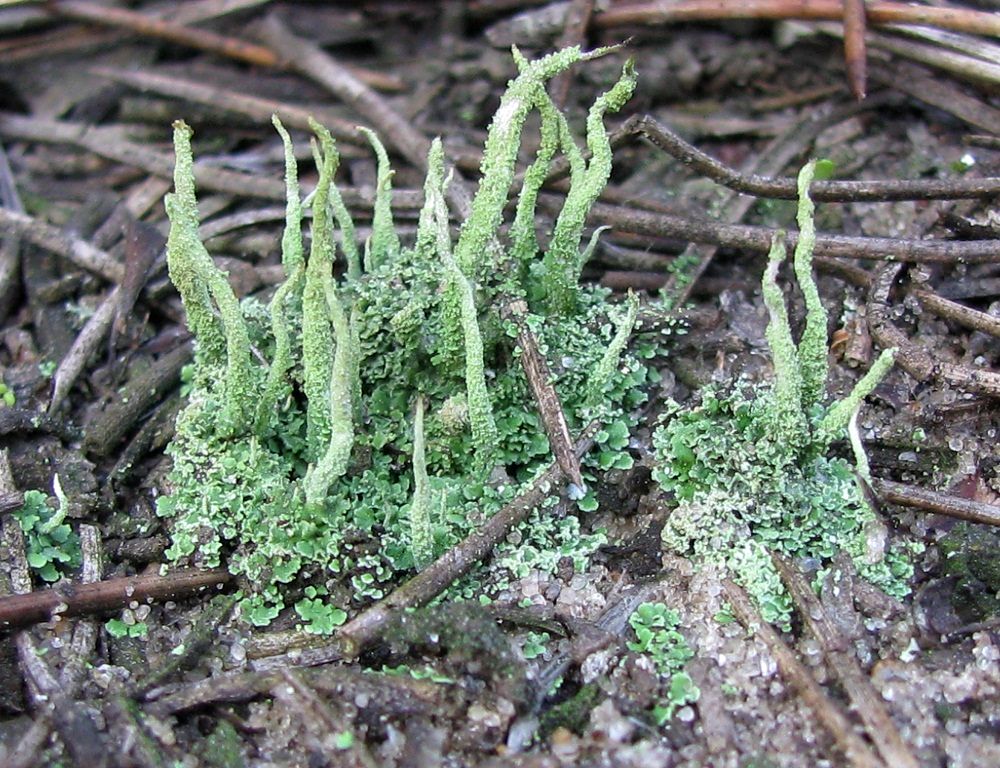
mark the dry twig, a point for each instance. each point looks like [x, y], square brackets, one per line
[827, 713]
[865, 700]
[911, 357]
[939, 503]
[820, 191]
[658, 12]
[109, 595]
[855, 56]
[536, 370]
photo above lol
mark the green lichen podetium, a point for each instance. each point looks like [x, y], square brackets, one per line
[376, 410]
[750, 466]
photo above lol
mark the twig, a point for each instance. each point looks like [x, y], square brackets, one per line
[756, 238]
[952, 310]
[65, 40]
[10, 244]
[964, 65]
[536, 370]
[911, 357]
[667, 140]
[829, 714]
[28, 421]
[10, 500]
[142, 245]
[855, 56]
[52, 695]
[110, 426]
[109, 143]
[731, 207]
[51, 238]
[940, 503]
[313, 62]
[865, 700]
[397, 696]
[149, 26]
[235, 102]
[917, 82]
[108, 595]
[958, 19]
[201, 39]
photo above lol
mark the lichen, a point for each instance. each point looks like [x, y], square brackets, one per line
[750, 467]
[332, 480]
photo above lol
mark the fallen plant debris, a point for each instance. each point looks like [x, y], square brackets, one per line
[460, 554]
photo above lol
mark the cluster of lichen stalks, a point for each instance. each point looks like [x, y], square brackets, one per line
[751, 469]
[301, 409]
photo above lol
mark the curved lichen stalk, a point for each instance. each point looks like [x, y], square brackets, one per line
[831, 427]
[524, 241]
[790, 427]
[563, 262]
[293, 260]
[334, 461]
[458, 295]
[608, 364]
[500, 156]
[199, 283]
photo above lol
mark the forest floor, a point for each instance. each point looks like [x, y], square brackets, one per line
[162, 671]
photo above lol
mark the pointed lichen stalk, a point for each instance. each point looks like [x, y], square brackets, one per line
[524, 241]
[563, 262]
[812, 350]
[831, 427]
[789, 422]
[334, 461]
[317, 331]
[383, 247]
[459, 315]
[199, 283]
[605, 369]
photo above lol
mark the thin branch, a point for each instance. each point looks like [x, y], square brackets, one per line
[827, 713]
[756, 238]
[53, 239]
[234, 102]
[820, 191]
[952, 310]
[939, 503]
[457, 561]
[108, 595]
[536, 370]
[650, 13]
[316, 64]
[911, 357]
[865, 700]
[192, 37]
[855, 55]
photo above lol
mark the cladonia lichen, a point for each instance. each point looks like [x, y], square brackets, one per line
[375, 409]
[750, 467]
